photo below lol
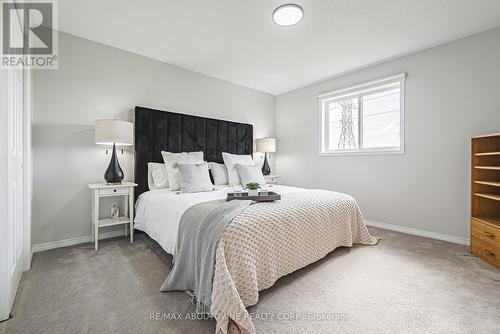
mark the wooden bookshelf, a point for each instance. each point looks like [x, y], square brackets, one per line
[485, 198]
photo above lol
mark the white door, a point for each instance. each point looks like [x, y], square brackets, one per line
[12, 255]
[12, 188]
[15, 179]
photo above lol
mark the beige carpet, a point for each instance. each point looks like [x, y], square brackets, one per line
[405, 284]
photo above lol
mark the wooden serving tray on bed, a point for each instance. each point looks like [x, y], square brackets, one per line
[268, 196]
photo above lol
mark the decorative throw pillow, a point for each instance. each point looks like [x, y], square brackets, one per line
[158, 175]
[250, 174]
[230, 160]
[180, 158]
[194, 178]
[219, 173]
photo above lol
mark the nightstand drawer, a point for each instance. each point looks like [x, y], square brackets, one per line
[485, 232]
[485, 251]
[114, 191]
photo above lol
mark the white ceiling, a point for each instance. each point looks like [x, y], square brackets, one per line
[237, 41]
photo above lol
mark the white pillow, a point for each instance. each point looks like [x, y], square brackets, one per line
[250, 174]
[219, 173]
[180, 158]
[194, 178]
[157, 176]
[230, 160]
[151, 183]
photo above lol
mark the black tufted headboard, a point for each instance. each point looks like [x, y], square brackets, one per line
[157, 131]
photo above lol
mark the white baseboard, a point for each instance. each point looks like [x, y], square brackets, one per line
[75, 241]
[422, 233]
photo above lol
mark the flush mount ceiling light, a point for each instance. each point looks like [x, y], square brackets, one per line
[288, 15]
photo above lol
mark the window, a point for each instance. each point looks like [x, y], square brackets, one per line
[367, 118]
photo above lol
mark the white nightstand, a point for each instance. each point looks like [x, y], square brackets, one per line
[272, 179]
[124, 190]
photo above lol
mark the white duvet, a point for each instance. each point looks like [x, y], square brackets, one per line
[159, 212]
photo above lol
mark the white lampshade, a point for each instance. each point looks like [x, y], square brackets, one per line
[267, 145]
[112, 131]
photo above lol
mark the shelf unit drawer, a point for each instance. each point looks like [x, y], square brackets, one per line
[113, 191]
[485, 232]
[485, 251]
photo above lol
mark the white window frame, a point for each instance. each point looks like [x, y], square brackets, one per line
[358, 91]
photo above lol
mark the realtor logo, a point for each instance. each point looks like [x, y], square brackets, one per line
[29, 36]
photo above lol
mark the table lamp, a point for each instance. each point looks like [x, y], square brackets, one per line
[266, 145]
[116, 133]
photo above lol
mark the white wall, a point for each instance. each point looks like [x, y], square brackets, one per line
[96, 81]
[452, 93]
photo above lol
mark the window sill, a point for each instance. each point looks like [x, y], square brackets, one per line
[367, 152]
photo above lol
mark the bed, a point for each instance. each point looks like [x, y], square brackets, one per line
[159, 212]
[226, 252]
